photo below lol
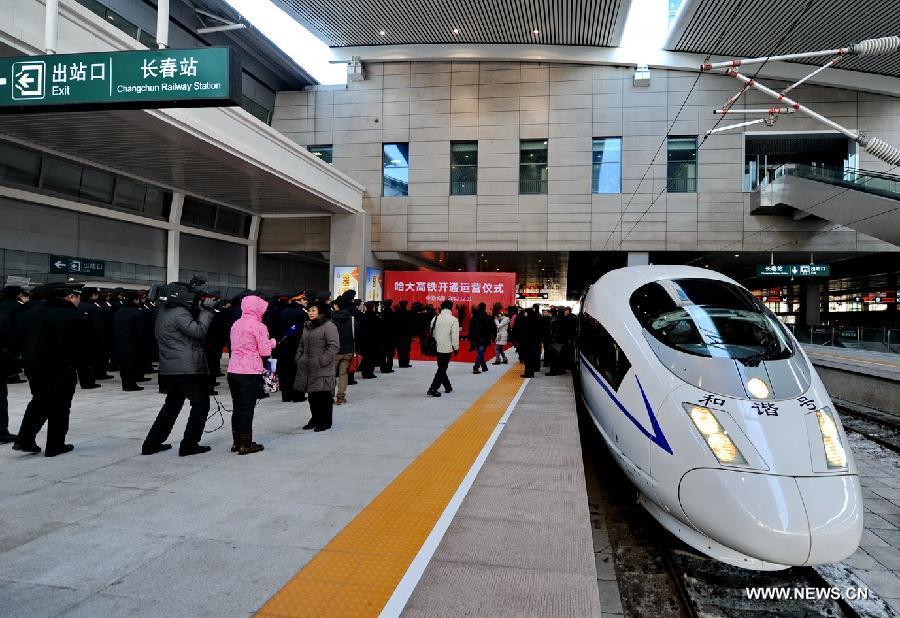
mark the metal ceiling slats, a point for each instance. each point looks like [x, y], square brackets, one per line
[358, 22]
[759, 25]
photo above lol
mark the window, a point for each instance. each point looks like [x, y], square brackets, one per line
[61, 176]
[710, 318]
[97, 186]
[324, 152]
[198, 214]
[130, 194]
[602, 351]
[681, 174]
[18, 166]
[215, 218]
[396, 170]
[533, 167]
[606, 176]
[259, 111]
[463, 168]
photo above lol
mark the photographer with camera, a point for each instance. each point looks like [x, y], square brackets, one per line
[181, 328]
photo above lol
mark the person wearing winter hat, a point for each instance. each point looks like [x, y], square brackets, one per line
[250, 342]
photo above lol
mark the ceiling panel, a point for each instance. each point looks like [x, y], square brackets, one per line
[138, 144]
[749, 28]
[343, 23]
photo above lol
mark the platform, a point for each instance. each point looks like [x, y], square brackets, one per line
[878, 364]
[860, 379]
[105, 531]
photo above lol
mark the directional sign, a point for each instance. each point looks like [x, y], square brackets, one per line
[206, 76]
[793, 270]
[67, 265]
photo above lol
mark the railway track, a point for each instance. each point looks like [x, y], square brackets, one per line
[882, 429]
[660, 576]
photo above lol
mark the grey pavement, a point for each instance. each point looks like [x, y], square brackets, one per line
[104, 531]
[521, 543]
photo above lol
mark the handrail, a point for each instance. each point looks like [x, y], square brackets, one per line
[877, 183]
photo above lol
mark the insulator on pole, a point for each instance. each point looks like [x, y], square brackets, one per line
[873, 47]
[881, 149]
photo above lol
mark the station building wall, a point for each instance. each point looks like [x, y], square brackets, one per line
[287, 274]
[222, 264]
[30, 233]
[430, 104]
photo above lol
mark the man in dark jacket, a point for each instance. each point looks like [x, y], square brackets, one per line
[530, 331]
[388, 332]
[9, 362]
[51, 340]
[482, 331]
[12, 306]
[405, 330]
[370, 341]
[290, 329]
[97, 346]
[563, 339]
[129, 332]
[180, 330]
[352, 305]
[346, 326]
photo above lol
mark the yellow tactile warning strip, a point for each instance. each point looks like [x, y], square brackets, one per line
[357, 572]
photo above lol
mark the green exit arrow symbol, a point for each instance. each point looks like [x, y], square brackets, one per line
[23, 80]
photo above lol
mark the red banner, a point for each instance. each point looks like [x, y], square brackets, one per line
[464, 289]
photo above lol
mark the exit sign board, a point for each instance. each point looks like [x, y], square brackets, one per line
[794, 270]
[203, 77]
[67, 265]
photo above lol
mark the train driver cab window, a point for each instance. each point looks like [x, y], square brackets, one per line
[601, 351]
[710, 318]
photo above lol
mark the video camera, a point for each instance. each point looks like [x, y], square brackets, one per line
[180, 294]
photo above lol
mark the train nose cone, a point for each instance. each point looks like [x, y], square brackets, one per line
[834, 508]
[760, 515]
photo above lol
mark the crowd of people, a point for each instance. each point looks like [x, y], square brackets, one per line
[63, 335]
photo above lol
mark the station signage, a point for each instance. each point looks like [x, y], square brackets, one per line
[793, 270]
[155, 78]
[67, 265]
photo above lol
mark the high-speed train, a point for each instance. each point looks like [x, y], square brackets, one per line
[718, 417]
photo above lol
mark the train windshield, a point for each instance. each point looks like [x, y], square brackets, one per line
[711, 318]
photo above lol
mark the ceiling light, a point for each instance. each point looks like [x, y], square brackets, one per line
[737, 255]
[456, 31]
[382, 33]
[536, 32]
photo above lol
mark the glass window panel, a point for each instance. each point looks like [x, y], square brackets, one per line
[533, 167]
[19, 166]
[229, 222]
[463, 168]
[396, 169]
[198, 214]
[324, 152]
[682, 165]
[61, 176]
[607, 160]
[130, 194]
[97, 186]
[157, 203]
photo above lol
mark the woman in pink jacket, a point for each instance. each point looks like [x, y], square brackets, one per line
[250, 342]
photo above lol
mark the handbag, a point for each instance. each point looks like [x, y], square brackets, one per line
[429, 343]
[356, 361]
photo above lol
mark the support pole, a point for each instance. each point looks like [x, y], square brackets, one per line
[51, 26]
[162, 23]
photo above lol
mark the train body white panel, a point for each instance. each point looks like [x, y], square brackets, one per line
[714, 412]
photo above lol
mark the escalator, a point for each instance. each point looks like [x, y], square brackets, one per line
[865, 201]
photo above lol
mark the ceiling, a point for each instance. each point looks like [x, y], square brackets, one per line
[754, 28]
[137, 143]
[350, 23]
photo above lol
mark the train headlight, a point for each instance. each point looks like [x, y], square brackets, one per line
[715, 436]
[758, 388]
[834, 450]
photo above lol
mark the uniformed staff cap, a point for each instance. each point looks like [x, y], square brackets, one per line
[57, 290]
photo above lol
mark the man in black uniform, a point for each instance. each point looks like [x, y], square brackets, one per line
[290, 328]
[180, 330]
[12, 306]
[388, 332]
[405, 329]
[129, 330]
[370, 341]
[97, 345]
[9, 363]
[51, 338]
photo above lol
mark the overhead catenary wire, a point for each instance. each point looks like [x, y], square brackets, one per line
[762, 62]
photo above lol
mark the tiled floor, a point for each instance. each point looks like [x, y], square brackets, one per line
[104, 531]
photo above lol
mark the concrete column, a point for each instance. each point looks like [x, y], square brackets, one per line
[252, 251]
[810, 313]
[173, 238]
[351, 245]
[51, 26]
[638, 258]
[162, 23]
